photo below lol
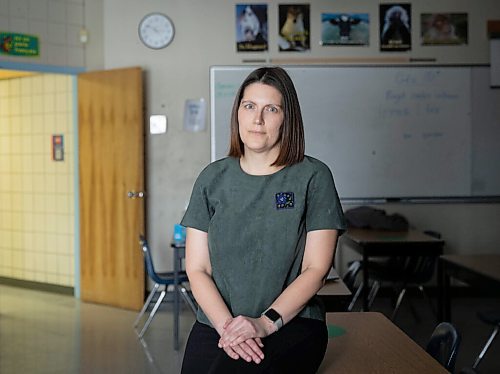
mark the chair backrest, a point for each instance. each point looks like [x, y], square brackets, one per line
[443, 345]
[349, 277]
[148, 260]
[421, 269]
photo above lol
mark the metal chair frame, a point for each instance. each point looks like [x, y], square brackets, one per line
[161, 279]
[350, 280]
[404, 272]
[416, 272]
[492, 318]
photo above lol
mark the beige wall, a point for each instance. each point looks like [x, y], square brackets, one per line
[205, 37]
[57, 23]
[36, 193]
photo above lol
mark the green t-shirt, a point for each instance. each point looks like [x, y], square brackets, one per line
[257, 229]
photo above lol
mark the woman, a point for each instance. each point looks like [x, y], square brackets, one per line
[262, 226]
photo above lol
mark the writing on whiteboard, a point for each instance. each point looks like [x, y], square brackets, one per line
[421, 103]
[225, 89]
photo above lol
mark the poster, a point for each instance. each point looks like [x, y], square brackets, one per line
[294, 26]
[251, 28]
[395, 27]
[444, 28]
[345, 29]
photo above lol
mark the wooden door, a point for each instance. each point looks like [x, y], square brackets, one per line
[111, 157]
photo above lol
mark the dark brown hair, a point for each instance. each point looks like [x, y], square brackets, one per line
[291, 137]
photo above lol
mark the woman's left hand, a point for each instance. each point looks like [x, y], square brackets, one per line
[241, 328]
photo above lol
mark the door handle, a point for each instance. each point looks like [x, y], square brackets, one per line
[135, 195]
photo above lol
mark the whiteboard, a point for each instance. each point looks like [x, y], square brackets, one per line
[388, 131]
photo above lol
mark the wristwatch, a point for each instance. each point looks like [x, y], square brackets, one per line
[274, 317]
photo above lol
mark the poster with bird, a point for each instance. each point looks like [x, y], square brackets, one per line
[395, 27]
[345, 29]
[251, 28]
[294, 27]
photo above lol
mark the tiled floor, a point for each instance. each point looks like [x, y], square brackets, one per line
[49, 333]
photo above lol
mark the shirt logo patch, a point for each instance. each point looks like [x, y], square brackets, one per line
[284, 200]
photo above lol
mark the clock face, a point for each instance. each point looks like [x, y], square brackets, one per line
[156, 30]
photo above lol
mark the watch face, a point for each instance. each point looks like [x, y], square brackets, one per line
[156, 30]
[272, 315]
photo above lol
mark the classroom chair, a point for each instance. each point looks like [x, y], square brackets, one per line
[492, 318]
[404, 272]
[160, 279]
[350, 280]
[443, 345]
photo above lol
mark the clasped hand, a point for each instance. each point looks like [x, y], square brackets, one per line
[241, 337]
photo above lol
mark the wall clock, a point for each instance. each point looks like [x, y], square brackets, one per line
[156, 30]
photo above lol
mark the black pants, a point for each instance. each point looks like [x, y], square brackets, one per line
[298, 347]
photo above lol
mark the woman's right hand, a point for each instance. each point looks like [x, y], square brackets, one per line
[249, 350]
[241, 328]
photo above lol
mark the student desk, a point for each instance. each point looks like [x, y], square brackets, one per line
[335, 295]
[478, 270]
[367, 342]
[371, 243]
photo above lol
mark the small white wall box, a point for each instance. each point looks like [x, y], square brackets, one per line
[157, 124]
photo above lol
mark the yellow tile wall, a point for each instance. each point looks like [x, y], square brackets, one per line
[36, 193]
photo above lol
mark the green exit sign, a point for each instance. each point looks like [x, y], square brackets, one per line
[15, 44]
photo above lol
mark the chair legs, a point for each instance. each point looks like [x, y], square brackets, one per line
[376, 287]
[373, 293]
[146, 304]
[398, 303]
[189, 300]
[355, 298]
[422, 290]
[185, 294]
[486, 346]
[400, 299]
[153, 312]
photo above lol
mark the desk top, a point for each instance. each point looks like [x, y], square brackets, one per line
[367, 342]
[334, 288]
[363, 236]
[335, 295]
[487, 265]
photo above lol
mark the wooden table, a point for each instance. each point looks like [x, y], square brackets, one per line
[372, 243]
[335, 295]
[367, 342]
[478, 270]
